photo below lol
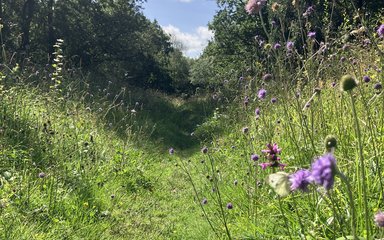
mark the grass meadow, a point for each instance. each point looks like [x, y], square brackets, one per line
[292, 148]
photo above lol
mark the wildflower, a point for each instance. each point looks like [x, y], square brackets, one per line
[272, 149]
[254, 157]
[300, 180]
[262, 93]
[275, 7]
[311, 35]
[378, 86]
[366, 42]
[330, 143]
[379, 219]
[290, 46]
[273, 100]
[333, 84]
[235, 182]
[380, 30]
[342, 59]
[246, 100]
[309, 11]
[267, 77]
[324, 170]
[171, 151]
[348, 82]
[204, 150]
[265, 165]
[254, 6]
[366, 79]
[229, 205]
[245, 130]
[204, 201]
[42, 175]
[271, 154]
[277, 46]
[273, 23]
[257, 112]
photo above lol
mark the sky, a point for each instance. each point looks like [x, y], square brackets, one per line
[185, 20]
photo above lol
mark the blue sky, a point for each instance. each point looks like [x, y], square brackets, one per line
[185, 20]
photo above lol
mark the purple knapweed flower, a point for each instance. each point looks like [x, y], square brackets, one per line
[254, 6]
[273, 100]
[333, 84]
[378, 86]
[290, 45]
[262, 93]
[379, 219]
[324, 170]
[311, 35]
[204, 201]
[254, 157]
[245, 130]
[300, 180]
[277, 46]
[229, 205]
[171, 151]
[366, 79]
[380, 30]
[257, 112]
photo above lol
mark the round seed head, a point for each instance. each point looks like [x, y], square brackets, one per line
[348, 83]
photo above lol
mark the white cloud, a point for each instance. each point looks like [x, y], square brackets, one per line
[192, 43]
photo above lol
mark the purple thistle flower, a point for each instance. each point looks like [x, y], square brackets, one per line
[300, 180]
[311, 35]
[380, 30]
[171, 151]
[378, 86]
[267, 77]
[324, 170]
[262, 93]
[289, 45]
[366, 79]
[277, 46]
[379, 219]
[229, 205]
[254, 157]
[273, 100]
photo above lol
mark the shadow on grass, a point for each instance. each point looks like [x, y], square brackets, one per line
[166, 121]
